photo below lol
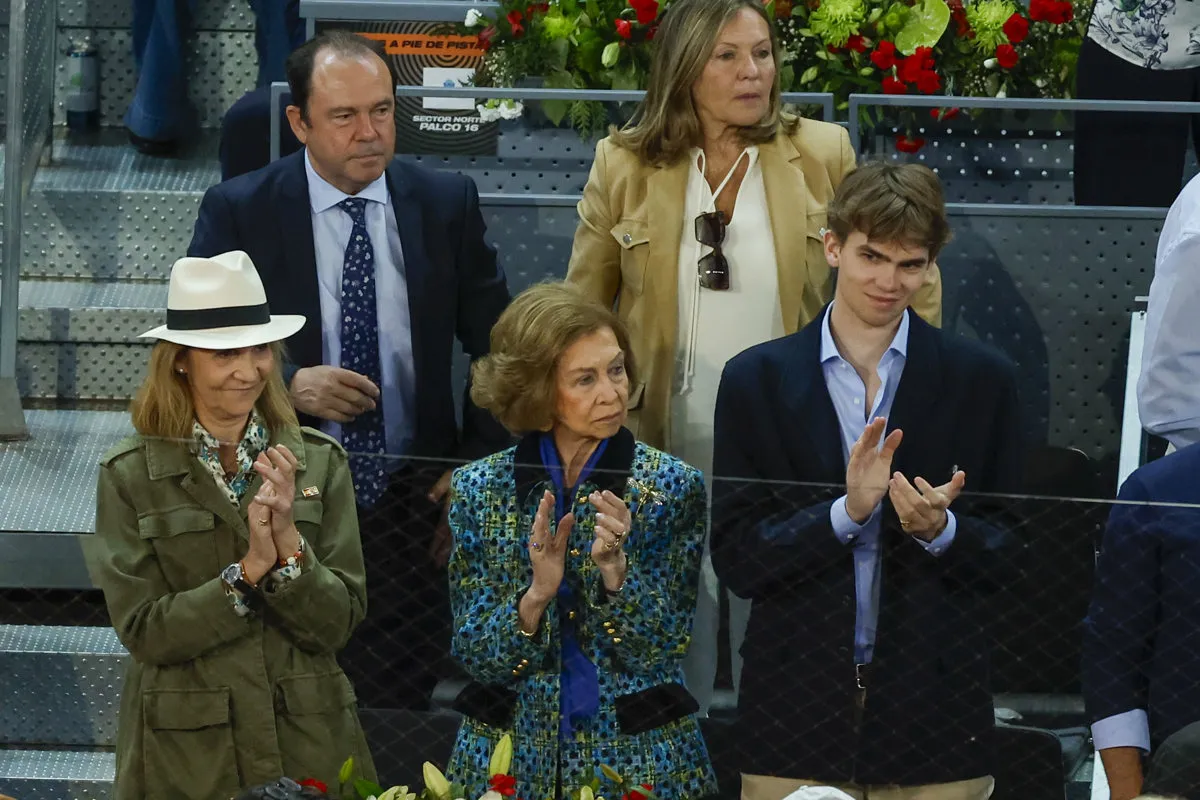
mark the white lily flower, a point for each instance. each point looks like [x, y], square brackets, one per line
[474, 18]
[491, 794]
[1000, 95]
[990, 63]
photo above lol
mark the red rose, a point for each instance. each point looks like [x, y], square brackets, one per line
[514, 20]
[941, 114]
[833, 48]
[624, 29]
[1016, 28]
[647, 10]
[892, 85]
[1056, 12]
[504, 784]
[928, 81]
[1006, 55]
[314, 783]
[906, 144]
[884, 57]
[635, 794]
[486, 36]
[856, 44]
[911, 67]
[961, 26]
[650, 33]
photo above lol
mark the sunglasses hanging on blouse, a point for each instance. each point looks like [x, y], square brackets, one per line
[714, 267]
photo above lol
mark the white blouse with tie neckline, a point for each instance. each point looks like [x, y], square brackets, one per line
[714, 326]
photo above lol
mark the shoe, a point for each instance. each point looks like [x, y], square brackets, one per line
[161, 148]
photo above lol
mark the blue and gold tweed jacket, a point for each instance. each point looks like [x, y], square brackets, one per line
[645, 728]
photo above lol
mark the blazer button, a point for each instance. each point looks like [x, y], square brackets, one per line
[570, 615]
[616, 640]
[627, 238]
[574, 551]
[517, 672]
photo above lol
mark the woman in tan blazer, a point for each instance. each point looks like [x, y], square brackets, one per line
[709, 140]
[711, 89]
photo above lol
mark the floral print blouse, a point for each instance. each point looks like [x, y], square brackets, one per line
[1153, 34]
[253, 443]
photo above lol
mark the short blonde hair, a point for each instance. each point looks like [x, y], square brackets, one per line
[517, 380]
[892, 203]
[666, 124]
[163, 407]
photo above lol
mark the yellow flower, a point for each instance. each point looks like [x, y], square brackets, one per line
[501, 760]
[435, 781]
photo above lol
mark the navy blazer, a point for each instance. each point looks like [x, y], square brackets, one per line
[778, 467]
[1141, 646]
[455, 286]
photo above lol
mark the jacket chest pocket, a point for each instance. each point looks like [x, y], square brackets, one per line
[188, 744]
[184, 539]
[634, 240]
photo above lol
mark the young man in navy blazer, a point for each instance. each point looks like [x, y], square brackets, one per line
[842, 454]
[387, 260]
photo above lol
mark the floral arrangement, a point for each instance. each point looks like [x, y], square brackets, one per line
[501, 785]
[979, 48]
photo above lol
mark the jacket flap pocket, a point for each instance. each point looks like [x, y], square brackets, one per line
[308, 511]
[654, 707]
[816, 226]
[160, 524]
[635, 396]
[185, 709]
[488, 703]
[630, 233]
[315, 694]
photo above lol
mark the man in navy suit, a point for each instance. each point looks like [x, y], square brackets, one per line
[387, 260]
[1141, 646]
[841, 454]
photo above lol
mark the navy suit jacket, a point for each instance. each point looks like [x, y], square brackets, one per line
[778, 467]
[1141, 646]
[455, 286]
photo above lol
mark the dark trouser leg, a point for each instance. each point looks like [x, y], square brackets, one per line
[1129, 159]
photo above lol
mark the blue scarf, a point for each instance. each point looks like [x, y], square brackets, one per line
[579, 695]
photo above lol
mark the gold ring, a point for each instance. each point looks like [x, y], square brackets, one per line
[611, 545]
[264, 521]
[536, 546]
[904, 524]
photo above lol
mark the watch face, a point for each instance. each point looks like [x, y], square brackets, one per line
[232, 574]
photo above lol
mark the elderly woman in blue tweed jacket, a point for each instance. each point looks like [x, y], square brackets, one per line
[574, 569]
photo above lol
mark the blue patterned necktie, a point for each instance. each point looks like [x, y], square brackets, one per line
[363, 437]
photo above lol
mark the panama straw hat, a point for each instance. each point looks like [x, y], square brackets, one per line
[219, 303]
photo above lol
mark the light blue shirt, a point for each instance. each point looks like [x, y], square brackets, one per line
[849, 395]
[331, 233]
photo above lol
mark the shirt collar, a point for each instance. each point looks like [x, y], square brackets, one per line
[323, 195]
[829, 348]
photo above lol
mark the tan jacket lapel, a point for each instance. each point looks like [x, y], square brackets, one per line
[665, 196]
[787, 202]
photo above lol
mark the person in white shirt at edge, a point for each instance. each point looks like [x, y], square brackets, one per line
[1168, 390]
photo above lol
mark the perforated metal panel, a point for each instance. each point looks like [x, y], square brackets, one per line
[528, 160]
[211, 15]
[1025, 158]
[63, 450]
[88, 311]
[3, 62]
[49, 370]
[221, 68]
[60, 685]
[57, 774]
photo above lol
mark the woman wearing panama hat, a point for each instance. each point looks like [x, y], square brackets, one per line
[228, 550]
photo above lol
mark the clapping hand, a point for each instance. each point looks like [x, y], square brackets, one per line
[922, 508]
[613, 523]
[868, 469]
[271, 508]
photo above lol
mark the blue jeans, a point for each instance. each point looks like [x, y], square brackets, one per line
[160, 107]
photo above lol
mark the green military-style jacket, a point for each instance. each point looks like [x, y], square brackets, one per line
[213, 701]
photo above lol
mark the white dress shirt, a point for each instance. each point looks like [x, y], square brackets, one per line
[331, 233]
[1168, 390]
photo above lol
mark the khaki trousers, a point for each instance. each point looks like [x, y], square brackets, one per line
[766, 787]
